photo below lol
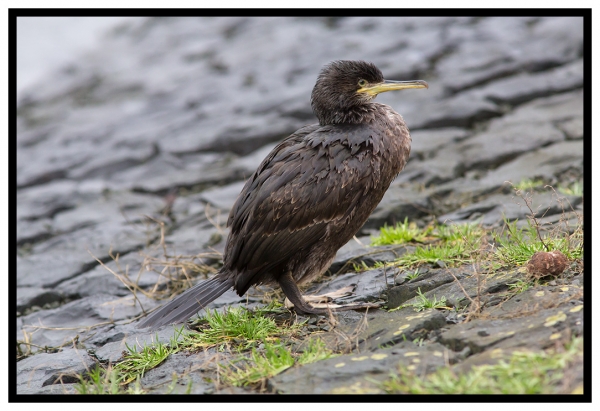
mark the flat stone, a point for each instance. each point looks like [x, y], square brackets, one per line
[545, 163]
[355, 254]
[494, 209]
[533, 331]
[78, 319]
[428, 142]
[356, 373]
[462, 110]
[167, 172]
[553, 109]
[30, 232]
[433, 279]
[116, 207]
[135, 338]
[67, 256]
[47, 200]
[44, 369]
[399, 202]
[497, 146]
[28, 297]
[525, 87]
[101, 280]
[369, 285]
[189, 373]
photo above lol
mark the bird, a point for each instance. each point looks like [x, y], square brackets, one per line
[311, 194]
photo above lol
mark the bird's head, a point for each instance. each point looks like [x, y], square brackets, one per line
[344, 85]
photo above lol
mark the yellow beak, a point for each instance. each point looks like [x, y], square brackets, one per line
[389, 85]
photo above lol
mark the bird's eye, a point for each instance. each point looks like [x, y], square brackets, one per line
[362, 82]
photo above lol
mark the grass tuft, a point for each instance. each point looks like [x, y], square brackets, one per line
[401, 233]
[528, 184]
[574, 189]
[235, 327]
[450, 244]
[275, 359]
[423, 303]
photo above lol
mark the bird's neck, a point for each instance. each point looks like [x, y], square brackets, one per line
[354, 115]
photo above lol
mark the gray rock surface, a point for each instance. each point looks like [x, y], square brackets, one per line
[130, 159]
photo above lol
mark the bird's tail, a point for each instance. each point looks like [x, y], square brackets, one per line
[190, 302]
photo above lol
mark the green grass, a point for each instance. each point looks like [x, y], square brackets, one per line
[104, 381]
[316, 351]
[574, 189]
[423, 303]
[136, 363]
[236, 327]
[452, 254]
[527, 184]
[451, 244]
[111, 380]
[413, 276]
[517, 245]
[275, 359]
[401, 233]
[523, 373]
[359, 268]
[519, 286]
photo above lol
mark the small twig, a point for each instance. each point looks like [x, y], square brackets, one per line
[119, 277]
[532, 217]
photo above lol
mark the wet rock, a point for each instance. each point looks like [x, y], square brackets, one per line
[526, 87]
[126, 270]
[128, 336]
[498, 145]
[572, 128]
[462, 110]
[390, 328]
[369, 285]
[356, 373]
[545, 164]
[535, 298]
[67, 256]
[397, 204]
[62, 325]
[181, 373]
[45, 201]
[537, 330]
[425, 143]
[28, 297]
[31, 232]
[431, 280]
[494, 209]
[353, 254]
[167, 172]
[44, 370]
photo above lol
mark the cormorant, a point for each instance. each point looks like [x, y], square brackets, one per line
[311, 194]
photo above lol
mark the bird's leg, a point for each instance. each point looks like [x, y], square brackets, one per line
[291, 291]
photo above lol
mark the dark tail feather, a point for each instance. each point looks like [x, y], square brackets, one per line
[190, 302]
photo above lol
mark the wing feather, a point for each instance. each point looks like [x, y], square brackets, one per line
[316, 175]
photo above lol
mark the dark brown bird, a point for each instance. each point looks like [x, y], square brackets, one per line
[311, 194]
